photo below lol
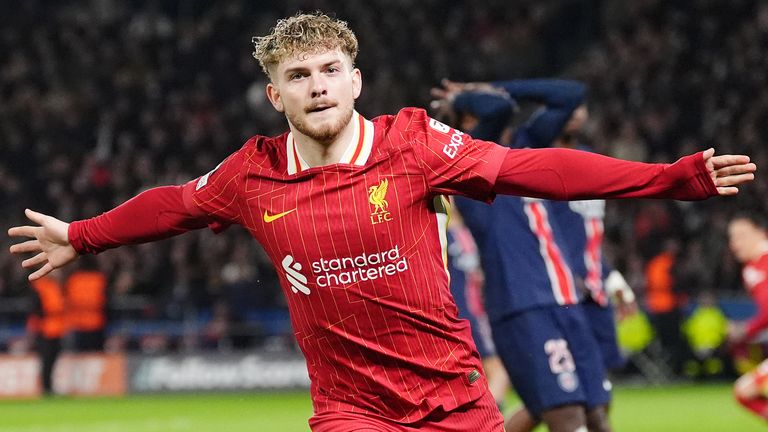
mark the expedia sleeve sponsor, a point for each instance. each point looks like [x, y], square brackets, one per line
[451, 148]
[453, 162]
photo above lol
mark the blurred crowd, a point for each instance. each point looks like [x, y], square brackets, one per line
[667, 79]
[101, 99]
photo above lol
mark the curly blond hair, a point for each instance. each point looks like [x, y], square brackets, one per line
[303, 34]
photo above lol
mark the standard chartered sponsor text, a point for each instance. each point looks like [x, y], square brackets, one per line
[364, 267]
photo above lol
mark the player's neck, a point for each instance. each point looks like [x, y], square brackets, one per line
[761, 250]
[317, 153]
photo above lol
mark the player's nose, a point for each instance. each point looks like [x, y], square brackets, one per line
[318, 85]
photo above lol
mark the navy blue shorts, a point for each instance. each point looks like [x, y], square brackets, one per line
[604, 329]
[552, 358]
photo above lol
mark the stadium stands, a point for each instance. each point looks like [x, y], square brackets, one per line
[104, 99]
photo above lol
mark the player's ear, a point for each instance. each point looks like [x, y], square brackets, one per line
[273, 94]
[357, 82]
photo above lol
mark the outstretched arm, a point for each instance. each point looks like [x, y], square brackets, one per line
[152, 215]
[456, 164]
[571, 174]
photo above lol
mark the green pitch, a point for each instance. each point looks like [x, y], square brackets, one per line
[707, 408]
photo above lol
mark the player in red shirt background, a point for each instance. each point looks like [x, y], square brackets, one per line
[749, 243]
[352, 213]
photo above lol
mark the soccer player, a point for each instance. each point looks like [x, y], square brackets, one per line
[466, 280]
[521, 246]
[749, 243]
[351, 213]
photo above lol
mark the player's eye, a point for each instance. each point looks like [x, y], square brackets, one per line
[332, 69]
[295, 76]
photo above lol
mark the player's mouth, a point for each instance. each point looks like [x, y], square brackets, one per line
[320, 107]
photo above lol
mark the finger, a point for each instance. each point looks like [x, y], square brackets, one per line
[42, 271]
[22, 231]
[727, 160]
[35, 260]
[27, 246]
[727, 191]
[452, 85]
[736, 169]
[734, 180]
[708, 153]
[438, 93]
[34, 216]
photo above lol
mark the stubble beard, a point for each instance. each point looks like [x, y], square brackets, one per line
[324, 133]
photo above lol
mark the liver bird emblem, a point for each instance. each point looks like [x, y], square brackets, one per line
[377, 196]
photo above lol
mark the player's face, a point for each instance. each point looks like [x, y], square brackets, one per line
[745, 239]
[316, 92]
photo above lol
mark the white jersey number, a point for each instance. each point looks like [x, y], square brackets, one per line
[560, 358]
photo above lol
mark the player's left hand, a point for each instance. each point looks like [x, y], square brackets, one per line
[625, 307]
[729, 171]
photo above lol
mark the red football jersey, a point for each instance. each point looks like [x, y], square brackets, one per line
[360, 247]
[755, 276]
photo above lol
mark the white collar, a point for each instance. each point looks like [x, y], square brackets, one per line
[357, 152]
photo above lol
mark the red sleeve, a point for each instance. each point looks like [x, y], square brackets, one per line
[217, 193]
[152, 215]
[563, 174]
[453, 162]
[759, 322]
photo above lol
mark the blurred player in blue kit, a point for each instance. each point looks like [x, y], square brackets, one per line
[532, 294]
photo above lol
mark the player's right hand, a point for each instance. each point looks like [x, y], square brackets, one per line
[50, 242]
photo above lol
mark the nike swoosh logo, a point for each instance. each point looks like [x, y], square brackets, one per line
[271, 218]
